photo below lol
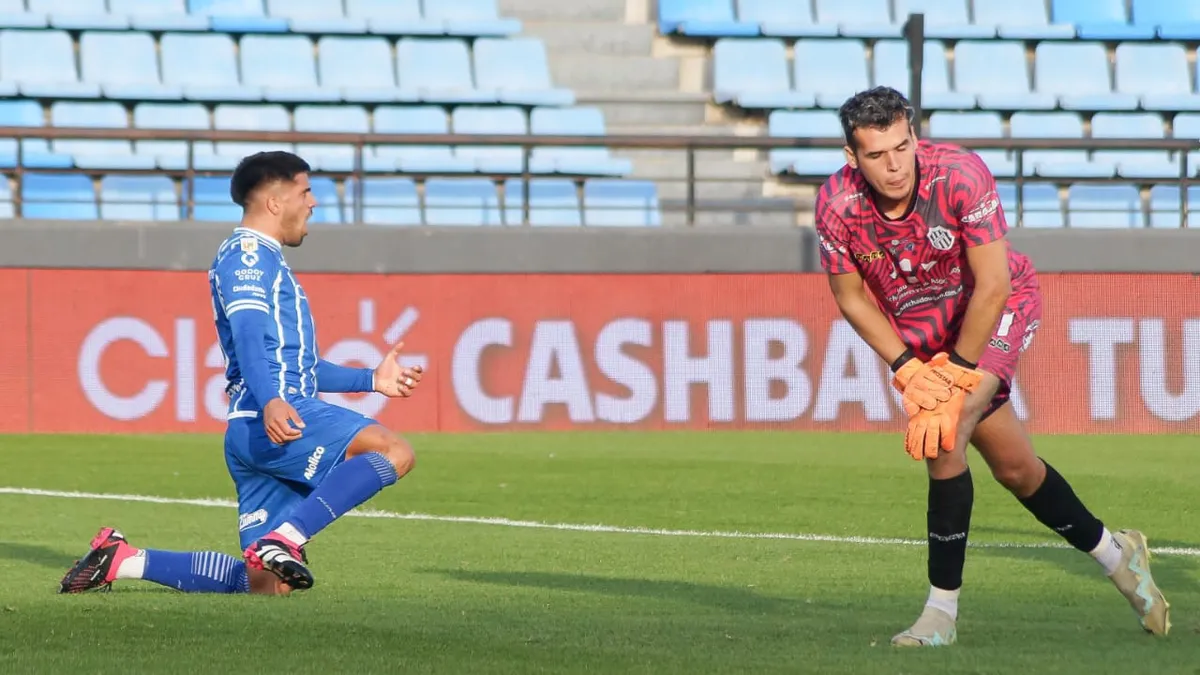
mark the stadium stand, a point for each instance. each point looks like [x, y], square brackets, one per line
[1082, 69]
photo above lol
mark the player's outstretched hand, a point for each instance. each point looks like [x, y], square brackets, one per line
[394, 380]
[278, 415]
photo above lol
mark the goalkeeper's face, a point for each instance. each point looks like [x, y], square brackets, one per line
[297, 203]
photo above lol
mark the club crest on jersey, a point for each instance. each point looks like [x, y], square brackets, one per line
[249, 244]
[940, 238]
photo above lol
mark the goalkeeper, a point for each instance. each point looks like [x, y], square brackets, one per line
[921, 224]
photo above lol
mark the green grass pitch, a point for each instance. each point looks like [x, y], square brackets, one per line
[439, 595]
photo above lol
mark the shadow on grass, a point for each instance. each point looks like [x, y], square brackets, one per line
[1173, 573]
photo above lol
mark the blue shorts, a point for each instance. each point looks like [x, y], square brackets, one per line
[272, 479]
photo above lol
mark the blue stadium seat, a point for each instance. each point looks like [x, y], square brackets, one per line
[415, 158]
[552, 202]
[944, 18]
[1173, 19]
[1041, 206]
[462, 201]
[891, 70]
[1021, 20]
[171, 155]
[125, 66]
[13, 15]
[385, 201]
[329, 208]
[1099, 19]
[96, 154]
[1187, 125]
[982, 124]
[7, 209]
[315, 16]
[805, 124]
[242, 117]
[859, 18]
[702, 18]
[437, 71]
[754, 74]
[210, 199]
[830, 70]
[783, 18]
[620, 203]
[58, 196]
[393, 17]
[158, 15]
[491, 120]
[212, 78]
[1108, 206]
[580, 121]
[138, 198]
[1056, 163]
[1165, 206]
[996, 73]
[237, 16]
[518, 71]
[51, 75]
[1158, 74]
[78, 14]
[330, 119]
[35, 152]
[283, 67]
[359, 69]
[1077, 73]
[469, 17]
[1134, 163]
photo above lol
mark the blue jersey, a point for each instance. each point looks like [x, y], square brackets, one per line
[250, 275]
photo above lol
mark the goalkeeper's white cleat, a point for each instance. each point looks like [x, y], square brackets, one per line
[934, 628]
[1134, 581]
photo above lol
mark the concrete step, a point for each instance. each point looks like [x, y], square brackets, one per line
[608, 39]
[631, 108]
[564, 10]
[743, 213]
[610, 73]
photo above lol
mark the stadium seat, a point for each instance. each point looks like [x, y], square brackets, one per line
[944, 18]
[58, 196]
[210, 199]
[1173, 20]
[315, 16]
[859, 18]
[1187, 126]
[283, 68]
[983, 124]
[805, 124]
[754, 74]
[237, 16]
[702, 18]
[830, 71]
[51, 75]
[437, 71]
[1099, 19]
[491, 120]
[212, 78]
[385, 201]
[1158, 74]
[241, 117]
[392, 17]
[35, 152]
[552, 202]
[145, 198]
[1056, 163]
[578, 121]
[158, 15]
[124, 65]
[330, 119]
[171, 155]
[14, 15]
[462, 201]
[7, 209]
[1041, 207]
[518, 71]
[1020, 20]
[329, 208]
[1165, 206]
[620, 203]
[474, 18]
[415, 158]
[995, 72]
[78, 14]
[1134, 163]
[1077, 73]
[783, 18]
[891, 70]
[1108, 206]
[90, 153]
[358, 69]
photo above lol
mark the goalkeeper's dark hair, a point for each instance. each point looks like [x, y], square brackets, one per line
[264, 168]
[877, 108]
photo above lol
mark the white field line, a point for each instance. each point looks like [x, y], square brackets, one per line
[566, 527]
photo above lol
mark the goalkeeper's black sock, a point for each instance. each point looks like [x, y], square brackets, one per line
[1055, 505]
[949, 518]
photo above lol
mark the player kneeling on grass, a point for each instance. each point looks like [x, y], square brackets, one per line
[298, 463]
[922, 224]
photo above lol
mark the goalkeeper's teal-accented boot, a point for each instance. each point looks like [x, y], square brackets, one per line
[934, 628]
[1134, 581]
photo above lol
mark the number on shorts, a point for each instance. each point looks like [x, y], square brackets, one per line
[1005, 324]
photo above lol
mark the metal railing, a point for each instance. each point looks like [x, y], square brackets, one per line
[690, 206]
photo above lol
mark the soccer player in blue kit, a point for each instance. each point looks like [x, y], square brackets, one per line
[298, 463]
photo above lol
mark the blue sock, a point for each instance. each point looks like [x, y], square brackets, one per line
[200, 572]
[348, 485]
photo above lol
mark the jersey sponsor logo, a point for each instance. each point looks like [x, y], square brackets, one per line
[248, 275]
[997, 343]
[868, 257]
[252, 519]
[983, 210]
[249, 259]
[250, 288]
[940, 238]
[314, 460]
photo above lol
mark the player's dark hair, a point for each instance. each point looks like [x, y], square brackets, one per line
[263, 168]
[877, 108]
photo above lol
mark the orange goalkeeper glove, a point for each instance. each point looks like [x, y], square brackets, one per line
[933, 430]
[921, 390]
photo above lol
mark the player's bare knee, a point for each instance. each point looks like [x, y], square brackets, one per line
[401, 455]
[1018, 477]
